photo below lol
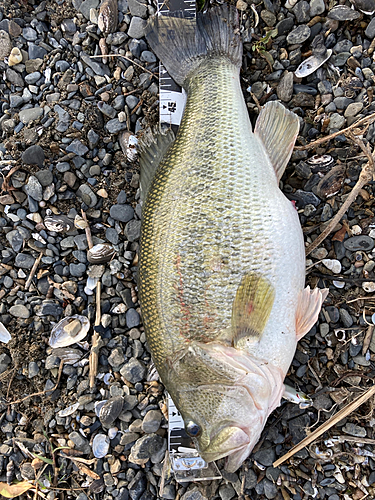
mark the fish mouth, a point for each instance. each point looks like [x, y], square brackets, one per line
[233, 440]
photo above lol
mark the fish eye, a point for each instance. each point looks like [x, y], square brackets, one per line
[193, 429]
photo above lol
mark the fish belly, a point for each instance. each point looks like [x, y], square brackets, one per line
[213, 214]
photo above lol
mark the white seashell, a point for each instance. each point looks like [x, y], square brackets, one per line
[68, 411]
[373, 318]
[58, 223]
[88, 291]
[4, 334]
[333, 265]
[338, 284]
[356, 230]
[368, 286]
[107, 378]
[100, 253]
[15, 57]
[91, 283]
[68, 354]
[112, 432]
[129, 143]
[290, 4]
[311, 64]
[69, 331]
[100, 445]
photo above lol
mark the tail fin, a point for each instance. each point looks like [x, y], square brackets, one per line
[181, 42]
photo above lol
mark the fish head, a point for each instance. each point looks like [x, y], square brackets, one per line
[224, 397]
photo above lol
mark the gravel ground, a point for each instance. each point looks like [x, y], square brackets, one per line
[66, 123]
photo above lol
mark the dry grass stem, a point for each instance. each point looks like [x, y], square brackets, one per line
[87, 230]
[94, 353]
[327, 425]
[367, 339]
[367, 119]
[128, 59]
[33, 271]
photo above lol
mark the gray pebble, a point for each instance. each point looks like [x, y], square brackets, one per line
[133, 371]
[33, 369]
[115, 126]
[123, 213]
[34, 188]
[80, 442]
[77, 270]
[133, 230]
[45, 177]
[28, 115]
[299, 34]
[5, 360]
[19, 311]
[24, 261]
[33, 155]
[137, 28]
[370, 30]
[151, 422]
[361, 242]
[77, 147]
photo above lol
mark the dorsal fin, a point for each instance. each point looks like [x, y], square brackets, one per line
[277, 128]
[251, 307]
[153, 146]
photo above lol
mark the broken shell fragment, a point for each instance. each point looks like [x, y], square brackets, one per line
[100, 445]
[112, 432]
[15, 57]
[331, 183]
[69, 331]
[333, 265]
[68, 411]
[338, 284]
[368, 286]
[79, 222]
[320, 163]
[128, 143]
[311, 64]
[100, 253]
[68, 355]
[108, 16]
[58, 223]
[4, 334]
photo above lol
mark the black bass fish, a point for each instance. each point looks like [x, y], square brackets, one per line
[222, 265]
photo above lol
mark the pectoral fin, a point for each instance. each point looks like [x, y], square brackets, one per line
[277, 128]
[309, 305]
[251, 307]
[152, 147]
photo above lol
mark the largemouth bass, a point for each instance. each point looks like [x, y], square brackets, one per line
[222, 264]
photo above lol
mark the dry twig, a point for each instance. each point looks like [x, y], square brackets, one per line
[327, 425]
[128, 59]
[96, 344]
[41, 392]
[33, 271]
[365, 177]
[87, 230]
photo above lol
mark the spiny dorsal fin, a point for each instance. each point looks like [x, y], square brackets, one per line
[309, 305]
[251, 307]
[277, 128]
[153, 146]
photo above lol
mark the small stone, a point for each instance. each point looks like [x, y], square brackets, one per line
[361, 242]
[346, 318]
[134, 371]
[132, 318]
[33, 369]
[24, 261]
[298, 35]
[343, 13]
[265, 456]
[193, 494]
[137, 28]
[77, 147]
[353, 109]
[45, 177]
[317, 7]
[147, 446]
[115, 126]
[138, 8]
[80, 442]
[31, 114]
[34, 188]
[19, 311]
[133, 230]
[151, 422]
[5, 45]
[370, 30]
[336, 121]
[123, 213]
[285, 87]
[5, 360]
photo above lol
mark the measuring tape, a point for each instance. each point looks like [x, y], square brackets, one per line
[172, 98]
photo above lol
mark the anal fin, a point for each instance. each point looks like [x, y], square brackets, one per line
[309, 305]
[251, 307]
[153, 145]
[277, 128]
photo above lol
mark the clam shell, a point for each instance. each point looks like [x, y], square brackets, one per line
[128, 143]
[108, 16]
[4, 334]
[338, 284]
[332, 182]
[69, 331]
[333, 265]
[58, 223]
[112, 432]
[68, 355]
[111, 410]
[100, 253]
[311, 64]
[320, 163]
[79, 222]
[68, 411]
[100, 445]
[15, 57]
[98, 405]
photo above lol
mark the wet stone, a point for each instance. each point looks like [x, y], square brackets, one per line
[316, 7]
[361, 242]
